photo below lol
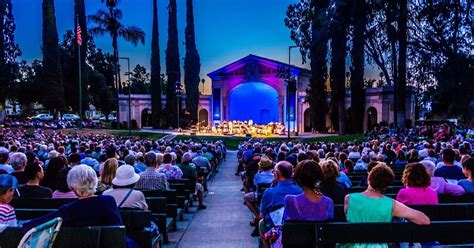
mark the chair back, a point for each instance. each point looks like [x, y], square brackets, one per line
[42, 236]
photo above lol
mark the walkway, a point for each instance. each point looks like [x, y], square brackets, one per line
[225, 222]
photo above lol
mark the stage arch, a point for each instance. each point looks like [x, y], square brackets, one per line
[203, 117]
[371, 118]
[254, 101]
[146, 118]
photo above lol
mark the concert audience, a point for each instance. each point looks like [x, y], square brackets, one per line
[151, 179]
[32, 189]
[417, 182]
[189, 172]
[8, 185]
[447, 169]
[62, 189]
[468, 170]
[50, 179]
[329, 186]
[123, 193]
[107, 175]
[18, 162]
[170, 170]
[439, 184]
[264, 176]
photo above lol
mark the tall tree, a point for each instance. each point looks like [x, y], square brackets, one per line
[318, 51]
[102, 80]
[357, 67]
[156, 108]
[109, 22]
[9, 51]
[339, 12]
[80, 13]
[402, 63]
[172, 64]
[192, 65]
[54, 98]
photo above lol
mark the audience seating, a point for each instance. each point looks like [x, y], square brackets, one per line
[313, 234]
[86, 237]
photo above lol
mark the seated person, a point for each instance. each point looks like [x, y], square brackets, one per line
[8, 184]
[18, 162]
[468, 170]
[189, 172]
[89, 210]
[151, 179]
[274, 197]
[263, 176]
[311, 205]
[439, 184]
[63, 190]
[107, 174]
[372, 206]
[417, 182]
[171, 171]
[363, 181]
[400, 161]
[329, 186]
[123, 193]
[448, 170]
[32, 189]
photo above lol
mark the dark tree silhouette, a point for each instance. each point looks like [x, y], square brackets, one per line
[156, 107]
[192, 65]
[51, 74]
[80, 13]
[172, 65]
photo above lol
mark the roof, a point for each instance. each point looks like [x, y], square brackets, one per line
[251, 57]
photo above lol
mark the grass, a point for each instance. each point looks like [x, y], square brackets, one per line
[145, 135]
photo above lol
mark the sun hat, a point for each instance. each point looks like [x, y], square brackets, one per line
[8, 182]
[125, 175]
[265, 162]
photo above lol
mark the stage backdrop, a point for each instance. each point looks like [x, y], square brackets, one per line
[254, 101]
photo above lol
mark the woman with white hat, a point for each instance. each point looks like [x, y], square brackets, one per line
[123, 193]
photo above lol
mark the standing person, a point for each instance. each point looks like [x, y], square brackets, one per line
[448, 170]
[468, 170]
[417, 182]
[32, 189]
[372, 206]
[151, 179]
[18, 162]
[8, 184]
[274, 197]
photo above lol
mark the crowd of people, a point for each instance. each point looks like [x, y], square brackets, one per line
[52, 124]
[306, 180]
[105, 173]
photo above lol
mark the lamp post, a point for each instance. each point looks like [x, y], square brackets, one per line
[288, 90]
[179, 92]
[129, 96]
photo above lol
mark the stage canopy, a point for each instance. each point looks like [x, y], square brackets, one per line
[254, 101]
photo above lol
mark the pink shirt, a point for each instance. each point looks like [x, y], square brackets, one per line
[418, 196]
[58, 194]
[441, 186]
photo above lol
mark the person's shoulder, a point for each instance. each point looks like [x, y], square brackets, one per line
[5, 208]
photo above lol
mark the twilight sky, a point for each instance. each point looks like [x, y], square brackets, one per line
[226, 30]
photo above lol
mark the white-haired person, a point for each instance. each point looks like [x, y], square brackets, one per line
[18, 162]
[439, 184]
[123, 193]
[89, 210]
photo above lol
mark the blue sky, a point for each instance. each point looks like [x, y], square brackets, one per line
[226, 30]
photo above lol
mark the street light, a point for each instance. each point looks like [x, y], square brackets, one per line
[288, 90]
[179, 92]
[129, 96]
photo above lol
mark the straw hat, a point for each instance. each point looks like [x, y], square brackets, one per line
[125, 176]
[265, 162]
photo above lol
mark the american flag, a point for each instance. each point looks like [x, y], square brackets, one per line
[79, 34]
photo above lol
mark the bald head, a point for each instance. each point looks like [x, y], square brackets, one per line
[285, 170]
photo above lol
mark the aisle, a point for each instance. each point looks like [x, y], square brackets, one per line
[225, 222]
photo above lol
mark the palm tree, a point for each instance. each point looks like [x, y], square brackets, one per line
[109, 22]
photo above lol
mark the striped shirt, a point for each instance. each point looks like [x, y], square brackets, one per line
[7, 215]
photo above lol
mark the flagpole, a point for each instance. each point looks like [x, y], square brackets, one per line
[79, 75]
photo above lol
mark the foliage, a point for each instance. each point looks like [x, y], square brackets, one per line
[172, 65]
[192, 65]
[155, 77]
[298, 20]
[51, 74]
[140, 81]
[101, 80]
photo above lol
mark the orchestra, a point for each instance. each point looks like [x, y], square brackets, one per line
[243, 128]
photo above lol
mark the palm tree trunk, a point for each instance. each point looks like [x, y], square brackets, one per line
[117, 79]
[155, 71]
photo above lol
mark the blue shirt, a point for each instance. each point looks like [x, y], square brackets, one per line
[344, 179]
[263, 177]
[6, 168]
[449, 172]
[275, 196]
[467, 185]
